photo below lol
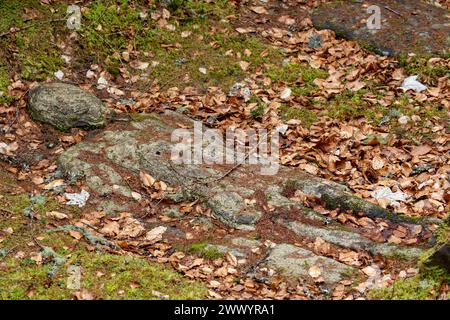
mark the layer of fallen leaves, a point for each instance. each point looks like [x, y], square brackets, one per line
[365, 156]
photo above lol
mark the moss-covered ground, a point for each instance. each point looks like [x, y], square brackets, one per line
[194, 46]
[35, 263]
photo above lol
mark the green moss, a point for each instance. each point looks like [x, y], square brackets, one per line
[425, 286]
[19, 203]
[307, 117]
[403, 105]
[443, 232]
[36, 55]
[205, 250]
[172, 5]
[122, 277]
[212, 44]
[300, 76]
[137, 117]
[105, 276]
[291, 72]
[39, 58]
[111, 27]
[106, 26]
[4, 83]
[258, 111]
[11, 10]
[351, 104]
[350, 273]
[408, 289]
[22, 226]
[418, 65]
[442, 235]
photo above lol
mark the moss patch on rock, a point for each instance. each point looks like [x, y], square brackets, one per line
[206, 250]
[425, 286]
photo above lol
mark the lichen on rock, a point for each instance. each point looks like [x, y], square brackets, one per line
[66, 106]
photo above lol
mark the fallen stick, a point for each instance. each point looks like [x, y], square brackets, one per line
[392, 10]
[11, 31]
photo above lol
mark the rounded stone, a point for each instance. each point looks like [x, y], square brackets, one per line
[65, 106]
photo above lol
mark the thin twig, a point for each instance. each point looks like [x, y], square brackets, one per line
[7, 211]
[37, 242]
[8, 252]
[392, 10]
[240, 163]
[90, 225]
[12, 31]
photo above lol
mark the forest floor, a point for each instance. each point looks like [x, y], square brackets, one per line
[248, 65]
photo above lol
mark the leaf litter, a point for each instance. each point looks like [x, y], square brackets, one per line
[396, 156]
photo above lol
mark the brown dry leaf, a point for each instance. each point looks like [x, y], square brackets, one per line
[36, 257]
[421, 150]
[186, 34]
[370, 271]
[165, 13]
[197, 262]
[155, 234]
[146, 179]
[350, 257]
[394, 239]
[314, 271]
[231, 259]
[398, 74]
[37, 180]
[355, 85]
[139, 65]
[221, 272]
[214, 284]
[8, 230]
[312, 169]
[57, 215]
[245, 30]
[321, 246]
[285, 94]
[83, 295]
[110, 229]
[54, 184]
[259, 9]
[131, 228]
[286, 20]
[214, 295]
[244, 65]
[75, 234]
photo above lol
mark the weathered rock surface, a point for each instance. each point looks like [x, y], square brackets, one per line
[347, 239]
[406, 25]
[293, 261]
[146, 145]
[65, 106]
[240, 199]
